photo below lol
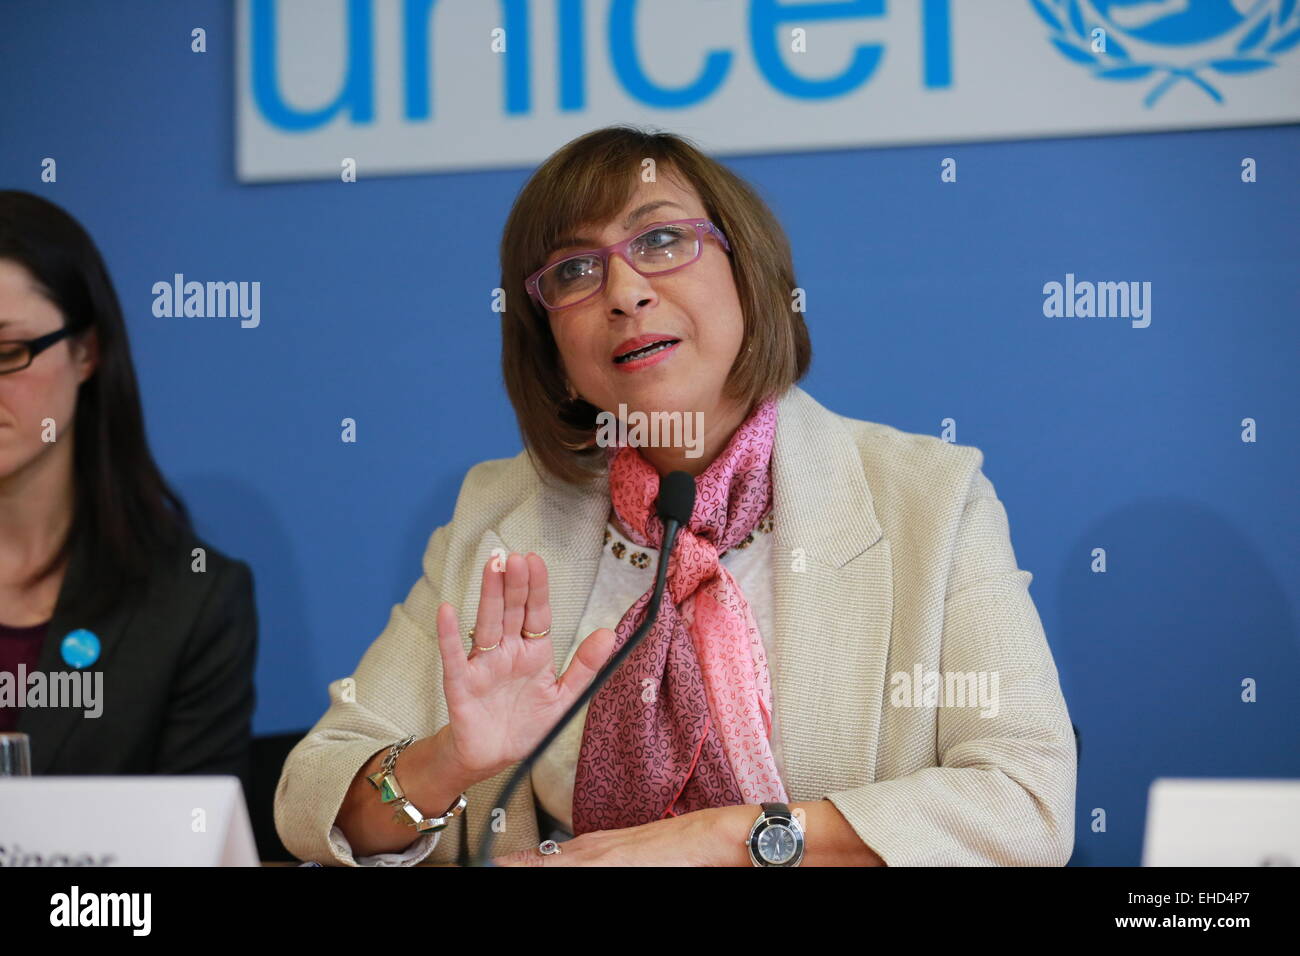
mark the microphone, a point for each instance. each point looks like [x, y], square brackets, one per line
[676, 501]
[674, 506]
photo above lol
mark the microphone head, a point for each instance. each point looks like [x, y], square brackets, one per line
[676, 497]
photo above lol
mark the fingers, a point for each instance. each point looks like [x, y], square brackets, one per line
[491, 604]
[502, 595]
[516, 594]
[453, 653]
[591, 656]
[537, 608]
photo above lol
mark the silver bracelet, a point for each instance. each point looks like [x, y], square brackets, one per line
[390, 791]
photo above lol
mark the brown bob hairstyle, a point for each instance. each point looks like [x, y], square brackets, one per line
[588, 181]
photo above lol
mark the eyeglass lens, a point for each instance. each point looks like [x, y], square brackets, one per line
[658, 249]
[13, 356]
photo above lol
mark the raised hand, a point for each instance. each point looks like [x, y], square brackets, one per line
[503, 701]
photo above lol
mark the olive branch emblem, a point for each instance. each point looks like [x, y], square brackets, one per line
[1276, 29]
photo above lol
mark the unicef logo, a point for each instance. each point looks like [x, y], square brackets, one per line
[1209, 38]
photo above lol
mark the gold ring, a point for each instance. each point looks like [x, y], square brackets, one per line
[527, 633]
[480, 646]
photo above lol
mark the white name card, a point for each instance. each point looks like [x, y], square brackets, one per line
[1206, 822]
[124, 821]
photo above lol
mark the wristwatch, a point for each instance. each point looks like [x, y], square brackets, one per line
[776, 838]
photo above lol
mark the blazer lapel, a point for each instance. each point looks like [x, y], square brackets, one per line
[832, 581]
[49, 727]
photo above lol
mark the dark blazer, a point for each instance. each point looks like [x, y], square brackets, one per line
[177, 695]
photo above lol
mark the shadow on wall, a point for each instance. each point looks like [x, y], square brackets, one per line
[1157, 648]
[252, 531]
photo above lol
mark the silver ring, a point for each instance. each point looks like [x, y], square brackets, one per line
[548, 847]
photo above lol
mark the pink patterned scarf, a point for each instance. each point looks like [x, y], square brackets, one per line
[685, 723]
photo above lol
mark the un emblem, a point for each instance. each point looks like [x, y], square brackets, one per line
[1208, 37]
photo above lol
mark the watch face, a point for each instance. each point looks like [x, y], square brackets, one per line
[777, 844]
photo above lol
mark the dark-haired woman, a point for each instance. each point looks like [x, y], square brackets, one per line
[101, 575]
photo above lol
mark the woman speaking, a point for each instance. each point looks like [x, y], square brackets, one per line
[846, 668]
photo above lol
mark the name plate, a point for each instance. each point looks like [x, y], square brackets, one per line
[1209, 822]
[124, 821]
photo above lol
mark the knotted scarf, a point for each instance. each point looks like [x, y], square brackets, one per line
[685, 722]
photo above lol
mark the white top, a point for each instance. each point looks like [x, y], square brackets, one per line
[626, 571]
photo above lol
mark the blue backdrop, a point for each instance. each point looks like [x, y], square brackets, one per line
[924, 302]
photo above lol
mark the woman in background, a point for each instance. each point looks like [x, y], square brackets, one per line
[99, 565]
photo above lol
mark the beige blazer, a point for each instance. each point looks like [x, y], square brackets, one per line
[891, 559]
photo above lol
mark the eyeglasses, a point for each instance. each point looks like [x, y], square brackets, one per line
[657, 250]
[17, 355]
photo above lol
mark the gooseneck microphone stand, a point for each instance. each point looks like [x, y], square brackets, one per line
[674, 507]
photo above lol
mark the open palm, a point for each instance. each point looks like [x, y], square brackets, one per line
[502, 702]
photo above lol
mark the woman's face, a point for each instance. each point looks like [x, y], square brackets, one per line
[45, 389]
[697, 305]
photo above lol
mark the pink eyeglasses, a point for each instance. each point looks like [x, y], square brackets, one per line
[658, 249]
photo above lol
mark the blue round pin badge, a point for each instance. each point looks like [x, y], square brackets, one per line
[80, 648]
